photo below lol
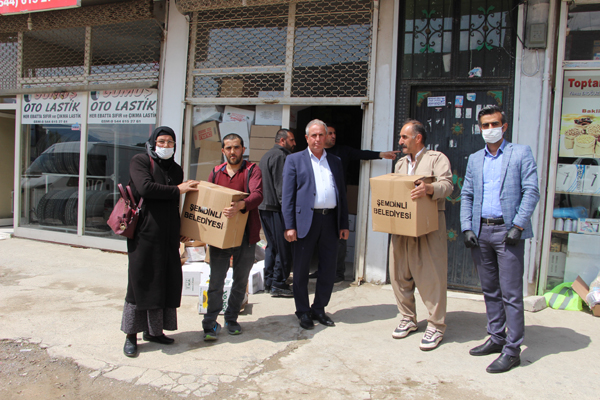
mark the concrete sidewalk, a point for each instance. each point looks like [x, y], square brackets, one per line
[70, 300]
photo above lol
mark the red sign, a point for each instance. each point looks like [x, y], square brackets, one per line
[27, 6]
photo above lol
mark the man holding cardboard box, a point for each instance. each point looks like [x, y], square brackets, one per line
[499, 195]
[239, 175]
[315, 214]
[422, 261]
[278, 254]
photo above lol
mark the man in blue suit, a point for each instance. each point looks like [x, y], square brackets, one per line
[499, 195]
[315, 215]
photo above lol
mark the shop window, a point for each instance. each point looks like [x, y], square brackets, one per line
[458, 39]
[251, 52]
[119, 124]
[583, 33]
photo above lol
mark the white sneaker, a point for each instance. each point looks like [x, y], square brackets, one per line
[405, 327]
[431, 339]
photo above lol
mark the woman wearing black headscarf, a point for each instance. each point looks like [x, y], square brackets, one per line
[154, 276]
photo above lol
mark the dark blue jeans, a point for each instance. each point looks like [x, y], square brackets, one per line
[243, 259]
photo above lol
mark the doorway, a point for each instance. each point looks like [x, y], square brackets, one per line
[450, 116]
[348, 123]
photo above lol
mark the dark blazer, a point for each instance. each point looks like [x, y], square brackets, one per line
[299, 191]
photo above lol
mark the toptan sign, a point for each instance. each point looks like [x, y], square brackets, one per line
[26, 6]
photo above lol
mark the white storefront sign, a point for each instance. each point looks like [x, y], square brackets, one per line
[131, 106]
[52, 108]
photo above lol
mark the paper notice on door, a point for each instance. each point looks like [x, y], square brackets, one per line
[468, 113]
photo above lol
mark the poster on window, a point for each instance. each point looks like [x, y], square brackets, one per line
[130, 106]
[580, 119]
[52, 108]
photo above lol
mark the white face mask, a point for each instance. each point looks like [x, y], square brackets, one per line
[492, 135]
[165, 152]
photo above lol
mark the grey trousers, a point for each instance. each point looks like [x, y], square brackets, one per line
[500, 268]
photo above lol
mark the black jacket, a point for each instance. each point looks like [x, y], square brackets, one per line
[155, 276]
[271, 166]
[347, 153]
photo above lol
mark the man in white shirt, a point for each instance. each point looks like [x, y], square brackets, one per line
[315, 215]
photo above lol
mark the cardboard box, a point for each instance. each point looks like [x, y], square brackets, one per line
[194, 243]
[264, 131]
[209, 157]
[556, 264]
[393, 211]
[205, 131]
[235, 114]
[588, 226]
[268, 114]
[582, 290]
[256, 154]
[570, 178]
[260, 143]
[232, 87]
[196, 254]
[256, 280]
[207, 113]
[202, 216]
[591, 179]
[203, 297]
[583, 258]
[193, 274]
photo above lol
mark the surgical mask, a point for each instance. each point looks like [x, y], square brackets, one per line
[165, 152]
[492, 135]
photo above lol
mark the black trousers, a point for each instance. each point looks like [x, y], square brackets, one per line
[322, 237]
[278, 254]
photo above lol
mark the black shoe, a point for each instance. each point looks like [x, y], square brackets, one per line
[130, 348]
[306, 321]
[279, 292]
[314, 275]
[322, 318]
[162, 339]
[488, 347]
[267, 289]
[338, 280]
[503, 363]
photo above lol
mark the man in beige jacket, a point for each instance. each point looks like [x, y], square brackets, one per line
[422, 261]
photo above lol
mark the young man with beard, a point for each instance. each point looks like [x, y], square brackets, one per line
[240, 175]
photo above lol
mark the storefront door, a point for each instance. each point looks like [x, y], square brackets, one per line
[451, 119]
[7, 161]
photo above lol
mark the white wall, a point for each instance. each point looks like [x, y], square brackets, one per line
[173, 73]
[383, 130]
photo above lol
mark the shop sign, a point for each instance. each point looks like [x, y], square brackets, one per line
[131, 106]
[27, 6]
[580, 120]
[52, 108]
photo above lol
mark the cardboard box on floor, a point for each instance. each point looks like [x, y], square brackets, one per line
[582, 290]
[393, 211]
[202, 216]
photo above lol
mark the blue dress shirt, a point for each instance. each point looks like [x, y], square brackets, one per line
[492, 168]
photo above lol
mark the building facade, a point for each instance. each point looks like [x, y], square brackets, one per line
[83, 88]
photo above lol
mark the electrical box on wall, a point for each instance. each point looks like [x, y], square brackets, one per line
[536, 36]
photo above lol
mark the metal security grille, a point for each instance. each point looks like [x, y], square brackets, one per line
[110, 45]
[280, 52]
